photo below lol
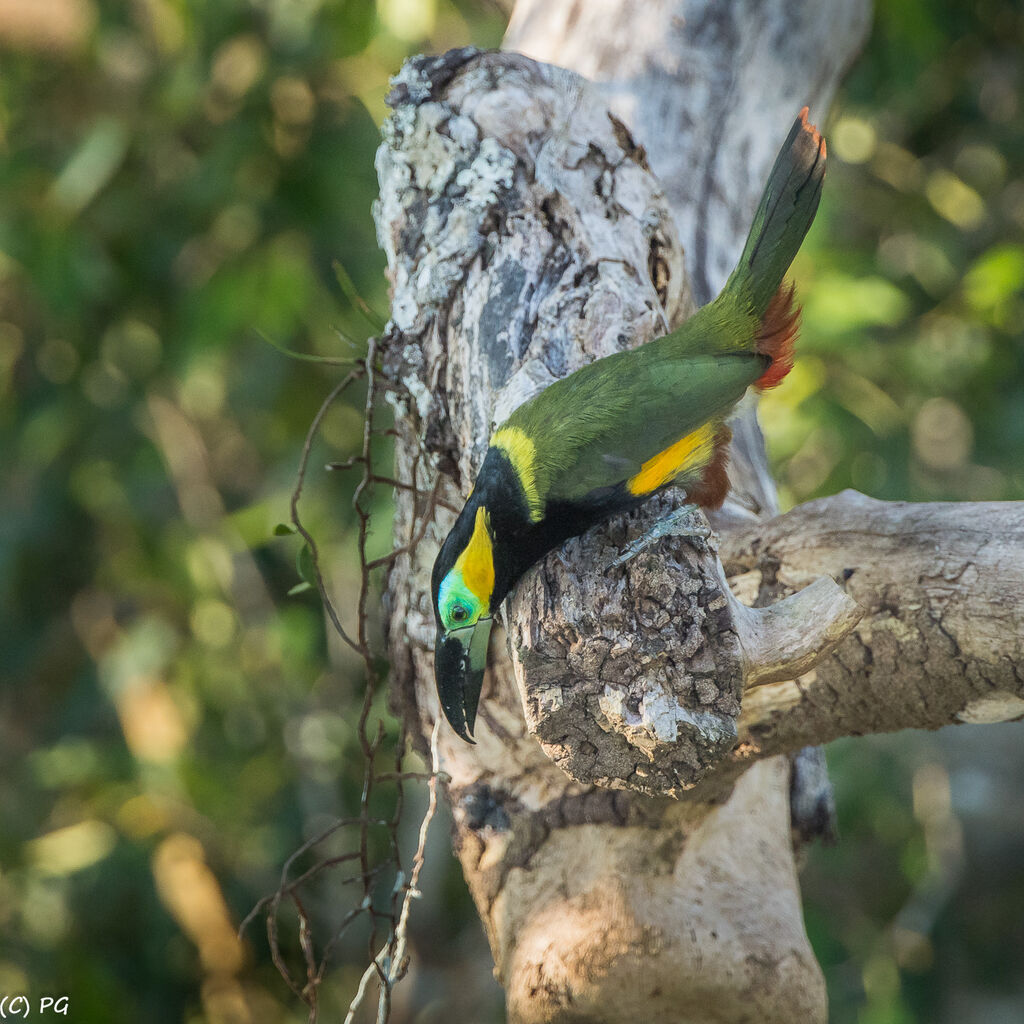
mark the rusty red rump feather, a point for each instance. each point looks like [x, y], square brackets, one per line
[714, 482]
[776, 336]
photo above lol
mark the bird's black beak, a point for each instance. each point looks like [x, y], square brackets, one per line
[460, 657]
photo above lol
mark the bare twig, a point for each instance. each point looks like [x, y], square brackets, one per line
[390, 965]
[388, 958]
[347, 286]
[300, 480]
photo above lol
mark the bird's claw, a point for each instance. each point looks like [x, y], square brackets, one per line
[680, 522]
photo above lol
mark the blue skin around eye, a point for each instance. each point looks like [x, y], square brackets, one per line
[454, 591]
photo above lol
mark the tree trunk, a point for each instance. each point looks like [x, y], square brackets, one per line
[623, 821]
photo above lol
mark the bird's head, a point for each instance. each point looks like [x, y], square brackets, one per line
[463, 592]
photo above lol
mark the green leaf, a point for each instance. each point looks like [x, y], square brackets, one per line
[307, 356]
[284, 530]
[305, 565]
[348, 287]
[300, 588]
[995, 277]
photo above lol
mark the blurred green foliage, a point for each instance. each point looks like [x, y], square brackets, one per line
[910, 385]
[911, 377]
[177, 180]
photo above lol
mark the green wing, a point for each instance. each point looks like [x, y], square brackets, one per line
[597, 427]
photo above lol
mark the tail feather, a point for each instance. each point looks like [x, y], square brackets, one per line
[776, 335]
[785, 213]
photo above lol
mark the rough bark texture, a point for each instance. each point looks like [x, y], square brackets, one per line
[525, 234]
[631, 675]
[942, 640]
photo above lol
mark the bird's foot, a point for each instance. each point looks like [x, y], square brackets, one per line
[685, 521]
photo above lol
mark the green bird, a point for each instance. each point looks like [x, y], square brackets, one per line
[607, 437]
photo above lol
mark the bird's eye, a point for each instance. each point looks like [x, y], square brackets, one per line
[459, 613]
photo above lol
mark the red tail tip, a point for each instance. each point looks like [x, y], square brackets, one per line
[815, 135]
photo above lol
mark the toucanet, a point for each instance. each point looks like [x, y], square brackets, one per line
[605, 438]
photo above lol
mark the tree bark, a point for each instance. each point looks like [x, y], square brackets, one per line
[636, 863]
[942, 638]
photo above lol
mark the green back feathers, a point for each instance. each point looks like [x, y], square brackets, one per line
[599, 426]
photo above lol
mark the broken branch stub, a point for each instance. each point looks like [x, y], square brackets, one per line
[783, 640]
[631, 675]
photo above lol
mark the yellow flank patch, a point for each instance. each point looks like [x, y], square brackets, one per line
[476, 563]
[522, 453]
[686, 453]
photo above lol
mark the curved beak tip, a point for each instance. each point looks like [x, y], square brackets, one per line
[460, 657]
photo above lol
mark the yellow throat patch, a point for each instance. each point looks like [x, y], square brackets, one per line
[522, 453]
[476, 563]
[687, 453]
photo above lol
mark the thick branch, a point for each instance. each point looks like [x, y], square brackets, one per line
[631, 675]
[942, 640]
